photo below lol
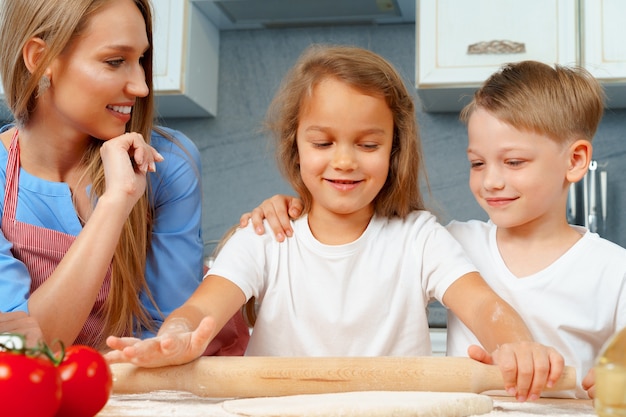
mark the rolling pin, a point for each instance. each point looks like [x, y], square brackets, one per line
[236, 376]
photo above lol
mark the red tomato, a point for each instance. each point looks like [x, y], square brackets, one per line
[87, 382]
[29, 386]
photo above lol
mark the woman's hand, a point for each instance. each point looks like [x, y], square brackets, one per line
[127, 159]
[527, 367]
[21, 323]
[175, 344]
[278, 210]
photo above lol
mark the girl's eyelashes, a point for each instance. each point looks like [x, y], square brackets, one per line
[370, 146]
[319, 144]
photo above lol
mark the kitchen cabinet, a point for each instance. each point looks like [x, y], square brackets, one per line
[438, 341]
[186, 59]
[5, 115]
[186, 51]
[460, 43]
[603, 52]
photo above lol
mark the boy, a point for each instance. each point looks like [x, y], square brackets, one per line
[530, 128]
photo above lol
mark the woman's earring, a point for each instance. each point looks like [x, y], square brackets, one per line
[44, 84]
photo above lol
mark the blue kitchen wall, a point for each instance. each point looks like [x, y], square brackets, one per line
[238, 164]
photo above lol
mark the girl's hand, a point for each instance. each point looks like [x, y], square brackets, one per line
[174, 345]
[278, 210]
[127, 159]
[527, 367]
[589, 383]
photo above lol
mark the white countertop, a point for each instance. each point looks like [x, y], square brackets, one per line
[174, 404]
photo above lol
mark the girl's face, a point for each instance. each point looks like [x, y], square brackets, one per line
[344, 143]
[517, 177]
[97, 79]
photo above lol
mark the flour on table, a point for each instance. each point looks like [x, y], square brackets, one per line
[364, 404]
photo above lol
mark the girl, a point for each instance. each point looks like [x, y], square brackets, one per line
[365, 259]
[91, 244]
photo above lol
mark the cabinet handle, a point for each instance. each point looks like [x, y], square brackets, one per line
[496, 47]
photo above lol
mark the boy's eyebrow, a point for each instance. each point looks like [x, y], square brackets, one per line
[501, 150]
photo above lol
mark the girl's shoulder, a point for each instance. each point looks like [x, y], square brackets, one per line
[413, 219]
[470, 226]
[418, 222]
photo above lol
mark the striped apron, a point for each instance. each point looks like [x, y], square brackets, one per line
[41, 249]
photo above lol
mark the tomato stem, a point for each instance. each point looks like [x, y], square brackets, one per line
[42, 349]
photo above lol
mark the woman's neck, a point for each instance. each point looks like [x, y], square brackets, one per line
[52, 156]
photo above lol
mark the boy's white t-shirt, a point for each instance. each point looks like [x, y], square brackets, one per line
[364, 298]
[574, 305]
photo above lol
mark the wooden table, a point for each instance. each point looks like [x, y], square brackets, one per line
[175, 403]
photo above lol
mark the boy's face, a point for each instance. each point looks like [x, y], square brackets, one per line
[517, 177]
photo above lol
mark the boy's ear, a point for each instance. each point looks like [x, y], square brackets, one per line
[32, 52]
[579, 158]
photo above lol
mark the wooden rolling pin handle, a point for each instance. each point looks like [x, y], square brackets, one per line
[227, 377]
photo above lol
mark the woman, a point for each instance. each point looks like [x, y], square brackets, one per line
[95, 241]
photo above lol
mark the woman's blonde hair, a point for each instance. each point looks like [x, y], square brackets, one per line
[373, 75]
[59, 23]
[563, 103]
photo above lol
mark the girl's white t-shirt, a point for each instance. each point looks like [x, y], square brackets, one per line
[364, 298]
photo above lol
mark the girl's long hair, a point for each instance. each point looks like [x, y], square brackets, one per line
[373, 75]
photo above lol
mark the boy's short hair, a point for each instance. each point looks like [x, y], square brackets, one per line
[563, 103]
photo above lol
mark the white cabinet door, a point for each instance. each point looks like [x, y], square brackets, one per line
[460, 43]
[4, 111]
[603, 46]
[186, 59]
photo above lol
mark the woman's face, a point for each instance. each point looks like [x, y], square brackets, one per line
[97, 79]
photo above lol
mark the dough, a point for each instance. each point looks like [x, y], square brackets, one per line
[364, 404]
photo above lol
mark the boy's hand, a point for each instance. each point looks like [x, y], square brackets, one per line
[278, 210]
[172, 346]
[589, 383]
[527, 367]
